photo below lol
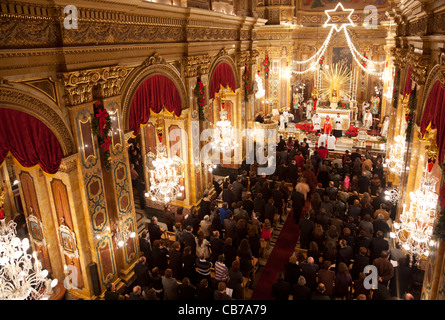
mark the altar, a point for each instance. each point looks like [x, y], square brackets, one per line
[345, 115]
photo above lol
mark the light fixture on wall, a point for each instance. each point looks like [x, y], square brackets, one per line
[392, 195]
[121, 237]
[21, 273]
[414, 227]
[165, 176]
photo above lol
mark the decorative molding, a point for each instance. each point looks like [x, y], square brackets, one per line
[195, 65]
[420, 64]
[69, 164]
[84, 86]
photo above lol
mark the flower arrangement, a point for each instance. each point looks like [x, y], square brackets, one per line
[343, 105]
[307, 128]
[200, 94]
[246, 79]
[266, 64]
[101, 126]
[352, 131]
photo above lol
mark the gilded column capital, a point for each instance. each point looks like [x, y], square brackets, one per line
[400, 57]
[69, 164]
[420, 65]
[80, 86]
[194, 65]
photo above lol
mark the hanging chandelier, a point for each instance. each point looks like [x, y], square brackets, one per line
[165, 176]
[260, 92]
[223, 137]
[21, 273]
[396, 155]
[415, 226]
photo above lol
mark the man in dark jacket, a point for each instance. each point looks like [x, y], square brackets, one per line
[237, 188]
[154, 230]
[300, 291]
[142, 273]
[298, 203]
[280, 289]
[378, 245]
[228, 196]
[306, 229]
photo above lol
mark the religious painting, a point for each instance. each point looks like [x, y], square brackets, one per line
[36, 230]
[67, 242]
[342, 56]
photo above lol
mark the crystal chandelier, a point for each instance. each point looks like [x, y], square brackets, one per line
[165, 176]
[21, 274]
[415, 226]
[223, 138]
[260, 92]
[396, 155]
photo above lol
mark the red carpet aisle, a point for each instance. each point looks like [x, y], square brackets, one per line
[283, 249]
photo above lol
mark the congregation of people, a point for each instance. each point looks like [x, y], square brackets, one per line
[344, 221]
[345, 229]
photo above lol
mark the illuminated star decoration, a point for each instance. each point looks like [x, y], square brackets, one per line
[330, 22]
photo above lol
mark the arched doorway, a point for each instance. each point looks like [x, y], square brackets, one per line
[153, 109]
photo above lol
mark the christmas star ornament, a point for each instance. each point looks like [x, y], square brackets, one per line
[332, 22]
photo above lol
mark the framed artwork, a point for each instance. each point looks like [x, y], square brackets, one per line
[35, 230]
[68, 242]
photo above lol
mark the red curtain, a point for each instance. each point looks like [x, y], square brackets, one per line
[434, 113]
[408, 83]
[223, 75]
[30, 141]
[154, 93]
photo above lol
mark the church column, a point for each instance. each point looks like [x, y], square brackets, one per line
[98, 171]
[199, 178]
[72, 230]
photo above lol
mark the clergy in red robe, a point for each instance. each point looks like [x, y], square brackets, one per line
[327, 127]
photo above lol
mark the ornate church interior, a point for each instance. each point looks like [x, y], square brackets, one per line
[222, 150]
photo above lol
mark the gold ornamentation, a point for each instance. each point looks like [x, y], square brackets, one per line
[195, 65]
[79, 85]
[68, 164]
[420, 64]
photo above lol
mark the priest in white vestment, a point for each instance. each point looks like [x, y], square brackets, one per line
[367, 120]
[322, 139]
[331, 141]
[385, 126]
[316, 122]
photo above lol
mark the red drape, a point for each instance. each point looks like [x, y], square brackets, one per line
[152, 94]
[30, 141]
[408, 83]
[434, 113]
[223, 75]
